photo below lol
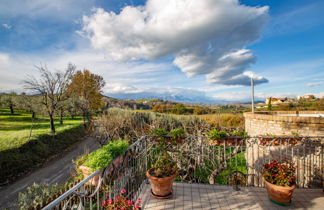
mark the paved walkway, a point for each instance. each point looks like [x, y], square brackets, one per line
[56, 171]
[203, 197]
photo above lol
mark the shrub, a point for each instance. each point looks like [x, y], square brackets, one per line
[240, 133]
[36, 194]
[121, 124]
[159, 132]
[232, 121]
[177, 133]
[216, 134]
[101, 158]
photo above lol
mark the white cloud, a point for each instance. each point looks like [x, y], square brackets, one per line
[7, 26]
[120, 88]
[14, 68]
[205, 37]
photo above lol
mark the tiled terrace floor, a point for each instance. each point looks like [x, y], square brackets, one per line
[203, 197]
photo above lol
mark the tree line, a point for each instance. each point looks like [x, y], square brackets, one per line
[76, 92]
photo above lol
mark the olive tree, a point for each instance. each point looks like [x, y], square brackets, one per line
[29, 103]
[9, 100]
[51, 87]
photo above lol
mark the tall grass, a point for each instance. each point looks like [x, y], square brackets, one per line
[122, 124]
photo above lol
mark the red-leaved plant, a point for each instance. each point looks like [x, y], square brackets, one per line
[120, 202]
[281, 173]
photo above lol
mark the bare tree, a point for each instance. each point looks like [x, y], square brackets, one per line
[52, 87]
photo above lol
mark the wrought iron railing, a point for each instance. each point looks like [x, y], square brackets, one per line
[231, 161]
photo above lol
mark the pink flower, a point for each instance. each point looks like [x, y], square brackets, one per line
[123, 191]
[110, 201]
[136, 206]
[130, 202]
[104, 203]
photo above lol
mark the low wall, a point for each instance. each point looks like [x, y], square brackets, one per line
[262, 123]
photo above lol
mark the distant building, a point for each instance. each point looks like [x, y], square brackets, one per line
[275, 100]
[307, 97]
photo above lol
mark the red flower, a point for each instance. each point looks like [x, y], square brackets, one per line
[104, 203]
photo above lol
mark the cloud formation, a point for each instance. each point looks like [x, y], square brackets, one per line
[7, 26]
[205, 37]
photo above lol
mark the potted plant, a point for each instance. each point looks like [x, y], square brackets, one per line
[216, 136]
[280, 181]
[162, 176]
[121, 202]
[101, 158]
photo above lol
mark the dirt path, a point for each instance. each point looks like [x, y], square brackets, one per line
[55, 171]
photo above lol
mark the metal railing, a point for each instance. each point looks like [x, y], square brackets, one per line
[231, 161]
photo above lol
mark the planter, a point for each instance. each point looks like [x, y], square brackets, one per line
[161, 187]
[278, 194]
[86, 171]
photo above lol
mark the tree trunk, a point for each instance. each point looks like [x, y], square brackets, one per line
[61, 116]
[11, 109]
[84, 121]
[52, 123]
[33, 115]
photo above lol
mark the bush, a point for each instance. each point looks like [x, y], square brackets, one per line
[101, 158]
[232, 121]
[123, 124]
[240, 133]
[177, 133]
[159, 132]
[216, 134]
[35, 195]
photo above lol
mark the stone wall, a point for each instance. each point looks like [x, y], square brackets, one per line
[262, 123]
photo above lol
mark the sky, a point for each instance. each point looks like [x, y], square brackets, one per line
[182, 50]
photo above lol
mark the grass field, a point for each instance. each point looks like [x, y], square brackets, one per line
[15, 129]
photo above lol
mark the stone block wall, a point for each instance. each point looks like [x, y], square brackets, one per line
[263, 123]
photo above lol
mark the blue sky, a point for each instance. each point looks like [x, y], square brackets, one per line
[178, 50]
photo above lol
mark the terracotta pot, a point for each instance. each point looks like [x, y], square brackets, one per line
[279, 194]
[161, 187]
[86, 171]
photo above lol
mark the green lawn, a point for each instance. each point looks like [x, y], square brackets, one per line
[15, 129]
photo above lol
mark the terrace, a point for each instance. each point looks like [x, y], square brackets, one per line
[223, 174]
